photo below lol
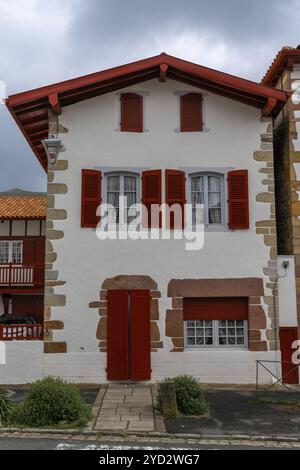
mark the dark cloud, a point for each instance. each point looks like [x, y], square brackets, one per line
[43, 42]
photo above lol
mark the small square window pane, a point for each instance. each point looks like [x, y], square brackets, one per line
[190, 331]
[222, 332]
[199, 323]
[191, 341]
[200, 341]
[208, 341]
[231, 322]
[208, 332]
[240, 331]
[200, 332]
[231, 331]
[231, 341]
[240, 323]
[222, 341]
[190, 324]
[222, 323]
[240, 340]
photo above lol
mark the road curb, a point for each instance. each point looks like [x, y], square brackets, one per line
[155, 435]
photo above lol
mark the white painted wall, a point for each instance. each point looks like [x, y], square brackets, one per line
[287, 292]
[225, 367]
[23, 362]
[84, 262]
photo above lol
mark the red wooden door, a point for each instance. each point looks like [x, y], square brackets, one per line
[140, 341]
[290, 371]
[128, 335]
[117, 335]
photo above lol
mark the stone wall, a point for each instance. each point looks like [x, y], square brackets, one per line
[52, 279]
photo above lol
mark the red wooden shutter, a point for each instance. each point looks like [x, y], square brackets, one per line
[131, 112]
[140, 335]
[39, 261]
[215, 309]
[175, 194]
[29, 251]
[117, 335]
[90, 197]
[290, 371]
[238, 199]
[191, 112]
[151, 194]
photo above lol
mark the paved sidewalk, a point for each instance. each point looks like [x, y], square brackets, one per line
[121, 407]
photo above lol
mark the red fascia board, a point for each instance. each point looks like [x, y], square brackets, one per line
[156, 61]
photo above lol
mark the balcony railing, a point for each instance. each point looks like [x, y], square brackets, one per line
[21, 332]
[14, 275]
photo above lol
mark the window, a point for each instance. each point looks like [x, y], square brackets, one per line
[191, 112]
[11, 252]
[218, 333]
[208, 189]
[4, 252]
[126, 185]
[131, 112]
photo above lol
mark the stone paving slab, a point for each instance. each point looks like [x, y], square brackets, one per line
[125, 407]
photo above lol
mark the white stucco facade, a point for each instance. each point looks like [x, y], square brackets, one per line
[93, 141]
[78, 263]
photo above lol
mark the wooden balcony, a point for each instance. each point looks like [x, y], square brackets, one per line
[21, 332]
[13, 276]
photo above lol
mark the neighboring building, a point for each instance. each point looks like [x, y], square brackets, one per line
[161, 130]
[284, 74]
[22, 266]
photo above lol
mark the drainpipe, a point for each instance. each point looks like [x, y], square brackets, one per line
[285, 265]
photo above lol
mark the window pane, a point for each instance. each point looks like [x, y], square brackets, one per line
[113, 183]
[4, 252]
[129, 184]
[17, 252]
[197, 184]
[231, 333]
[199, 333]
[214, 183]
[215, 216]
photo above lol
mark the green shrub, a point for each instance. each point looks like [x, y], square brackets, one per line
[51, 402]
[189, 395]
[5, 407]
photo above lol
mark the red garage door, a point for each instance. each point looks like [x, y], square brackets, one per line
[128, 335]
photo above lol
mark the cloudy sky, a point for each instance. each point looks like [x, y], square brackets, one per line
[44, 41]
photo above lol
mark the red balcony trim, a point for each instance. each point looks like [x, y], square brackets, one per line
[14, 275]
[22, 332]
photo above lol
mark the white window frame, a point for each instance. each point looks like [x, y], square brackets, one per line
[222, 177]
[10, 250]
[216, 345]
[122, 175]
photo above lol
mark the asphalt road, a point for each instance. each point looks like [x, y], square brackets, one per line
[12, 443]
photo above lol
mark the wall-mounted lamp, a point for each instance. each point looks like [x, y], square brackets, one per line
[53, 148]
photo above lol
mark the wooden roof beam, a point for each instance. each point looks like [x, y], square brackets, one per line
[55, 103]
[163, 72]
[269, 107]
